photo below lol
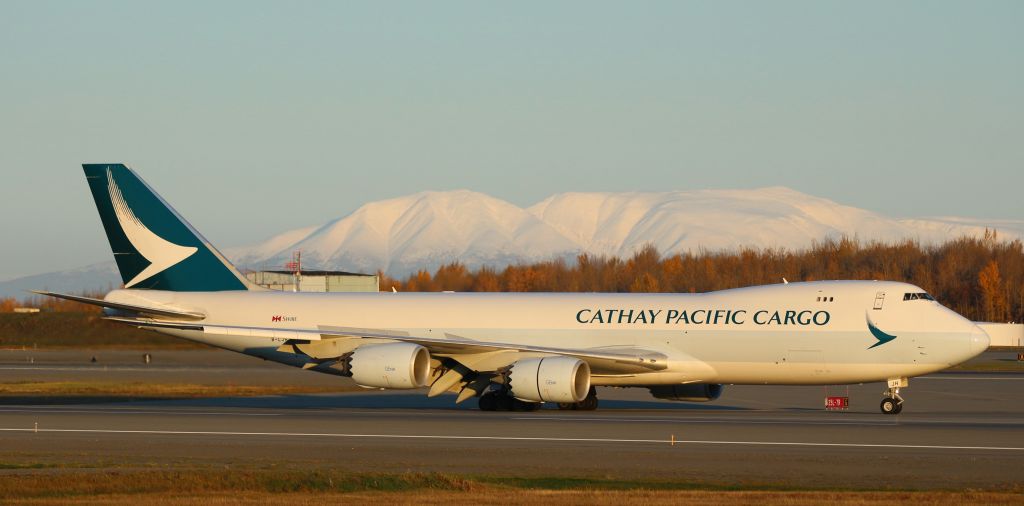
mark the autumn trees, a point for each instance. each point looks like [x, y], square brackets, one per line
[981, 278]
[993, 293]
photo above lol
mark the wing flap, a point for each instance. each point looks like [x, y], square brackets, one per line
[631, 360]
[619, 361]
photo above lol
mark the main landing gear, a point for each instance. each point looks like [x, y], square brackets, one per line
[587, 404]
[500, 400]
[892, 404]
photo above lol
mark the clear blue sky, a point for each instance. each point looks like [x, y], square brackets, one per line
[257, 117]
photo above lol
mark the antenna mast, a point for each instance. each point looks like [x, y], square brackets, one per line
[296, 267]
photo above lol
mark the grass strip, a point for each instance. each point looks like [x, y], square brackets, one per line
[534, 497]
[1008, 366]
[154, 390]
[44, 482]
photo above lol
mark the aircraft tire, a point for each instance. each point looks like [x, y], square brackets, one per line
[890, 406]
[588, 404]
[504, 402]
[566, 406]
[488, 402]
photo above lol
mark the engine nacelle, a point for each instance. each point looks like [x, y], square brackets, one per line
[691, 392]
[392, 365]
[550, 379]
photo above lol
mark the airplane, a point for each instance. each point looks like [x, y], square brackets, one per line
[517, 351]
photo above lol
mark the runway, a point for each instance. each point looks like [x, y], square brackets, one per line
[958, 430]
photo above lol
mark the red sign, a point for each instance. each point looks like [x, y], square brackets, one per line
[837, 402]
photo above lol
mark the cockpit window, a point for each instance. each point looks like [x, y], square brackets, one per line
[917, 296]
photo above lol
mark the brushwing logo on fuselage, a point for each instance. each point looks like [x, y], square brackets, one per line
[877, 332]
[160, 253]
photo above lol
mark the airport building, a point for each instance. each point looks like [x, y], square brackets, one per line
[315, 281]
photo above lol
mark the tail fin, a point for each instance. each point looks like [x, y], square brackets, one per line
[153, 245]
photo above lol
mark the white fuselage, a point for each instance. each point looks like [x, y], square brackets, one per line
[797, 333]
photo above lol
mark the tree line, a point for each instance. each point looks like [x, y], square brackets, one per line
[981, 278]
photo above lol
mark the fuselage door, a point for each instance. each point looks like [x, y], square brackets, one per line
[879, 299]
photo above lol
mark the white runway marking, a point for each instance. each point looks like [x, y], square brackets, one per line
[788, 421]
[898, 422]
[676, 442]
[131, 412]
[127, 368]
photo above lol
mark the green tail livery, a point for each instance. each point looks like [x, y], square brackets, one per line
[153, 245]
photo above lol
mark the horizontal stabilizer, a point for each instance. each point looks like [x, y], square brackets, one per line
[154, 311]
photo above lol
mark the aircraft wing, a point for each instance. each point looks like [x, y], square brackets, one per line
[602, 360]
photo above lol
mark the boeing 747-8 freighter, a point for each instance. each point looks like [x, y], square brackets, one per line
[515, 351]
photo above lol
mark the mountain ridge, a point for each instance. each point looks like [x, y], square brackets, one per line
[427, 229]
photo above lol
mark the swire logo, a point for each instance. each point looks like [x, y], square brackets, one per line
[278, 318]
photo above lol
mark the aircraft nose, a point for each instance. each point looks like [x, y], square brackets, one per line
[979, 341]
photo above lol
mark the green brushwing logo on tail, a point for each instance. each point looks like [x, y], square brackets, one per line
[160, 253]
[877, 332]
[153, 246]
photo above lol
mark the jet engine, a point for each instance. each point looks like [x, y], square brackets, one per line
[550, 379]
[392, 365]
[691, 392]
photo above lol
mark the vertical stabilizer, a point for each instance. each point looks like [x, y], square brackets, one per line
[155, 247]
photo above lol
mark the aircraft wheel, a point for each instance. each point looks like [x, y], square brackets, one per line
[504, 402]
[565, 406]
[589, 403]
[488, 402]
[890, 406]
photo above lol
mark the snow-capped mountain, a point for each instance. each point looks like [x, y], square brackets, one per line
[618, 224]
[428, 229]
[420, 231]
[90, 278]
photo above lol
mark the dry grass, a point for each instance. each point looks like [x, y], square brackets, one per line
[43, 486]
[1005, 366]
[532, 497]
[154, 390]
[81, 330]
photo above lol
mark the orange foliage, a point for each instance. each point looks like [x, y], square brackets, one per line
[979, 278]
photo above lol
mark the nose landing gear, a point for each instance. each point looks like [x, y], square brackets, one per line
[892, 404]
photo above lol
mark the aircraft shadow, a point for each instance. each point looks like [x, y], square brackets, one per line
[391, 400]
